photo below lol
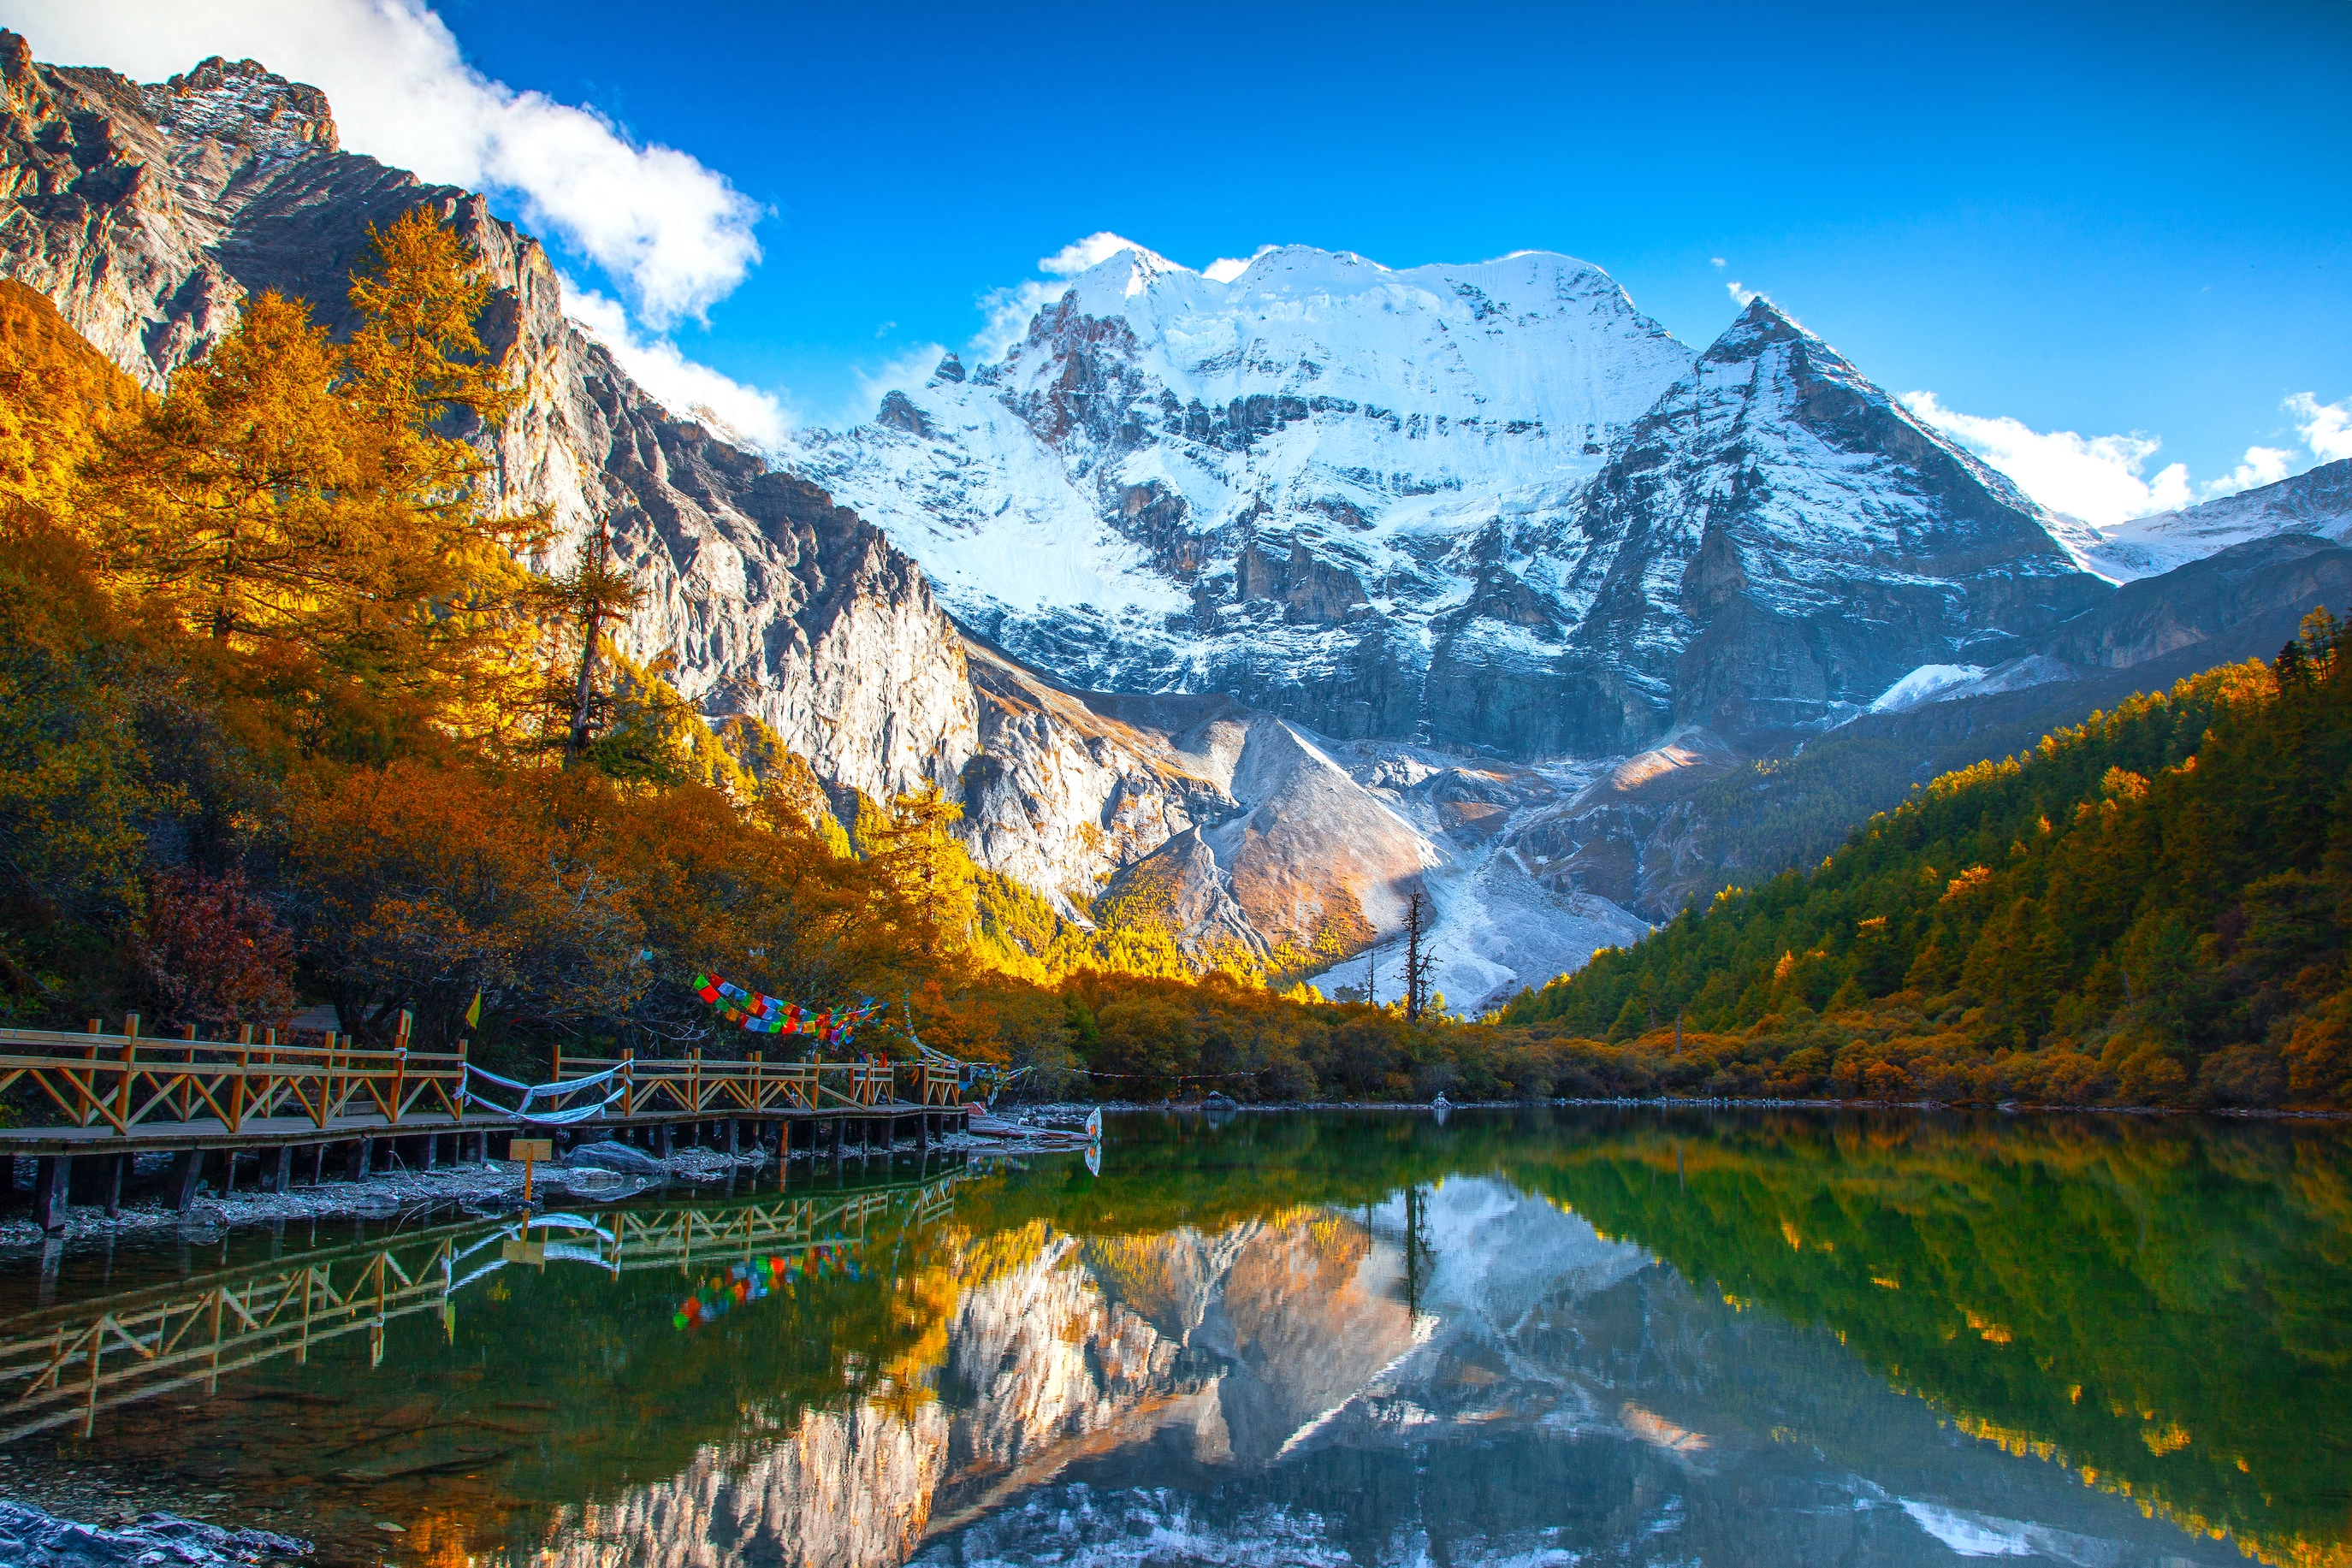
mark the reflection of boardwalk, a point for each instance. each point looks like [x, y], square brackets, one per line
[68, 1364]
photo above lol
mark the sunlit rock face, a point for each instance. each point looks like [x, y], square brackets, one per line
[842, 1490]
[149, 214]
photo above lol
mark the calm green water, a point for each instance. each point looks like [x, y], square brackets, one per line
[1534, 1337]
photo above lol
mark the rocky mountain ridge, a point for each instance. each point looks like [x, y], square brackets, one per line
[2317, 501]
[1490, 509]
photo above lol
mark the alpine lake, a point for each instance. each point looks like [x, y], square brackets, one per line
[1528, 1336]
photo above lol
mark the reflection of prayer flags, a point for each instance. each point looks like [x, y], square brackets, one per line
[474, 1013]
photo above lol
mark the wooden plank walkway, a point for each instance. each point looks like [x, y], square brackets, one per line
[117, 1095]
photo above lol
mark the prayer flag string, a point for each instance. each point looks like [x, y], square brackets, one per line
[759, 1014]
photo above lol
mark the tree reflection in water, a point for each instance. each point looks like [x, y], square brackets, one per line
[1529, 1337]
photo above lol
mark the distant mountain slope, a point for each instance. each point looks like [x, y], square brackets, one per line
[2316, 502]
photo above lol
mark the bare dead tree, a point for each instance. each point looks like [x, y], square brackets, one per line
[1417, 962]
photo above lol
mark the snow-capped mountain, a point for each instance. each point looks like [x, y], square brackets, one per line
[2317, 502]
[1173, 483]
[1489, 507]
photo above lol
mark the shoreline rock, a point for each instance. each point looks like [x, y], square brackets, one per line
[31, 1537]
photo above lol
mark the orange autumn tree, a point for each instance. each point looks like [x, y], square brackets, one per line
[314, 508]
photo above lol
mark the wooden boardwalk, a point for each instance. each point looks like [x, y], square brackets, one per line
[114, 1096]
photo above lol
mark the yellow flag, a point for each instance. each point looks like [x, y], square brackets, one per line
[474, 1012]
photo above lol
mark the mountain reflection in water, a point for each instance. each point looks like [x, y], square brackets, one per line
[1529, 1338]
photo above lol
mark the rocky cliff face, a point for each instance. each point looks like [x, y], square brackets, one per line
[1777, 537]
[149, 214]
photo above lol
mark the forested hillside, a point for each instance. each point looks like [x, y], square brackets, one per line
[2152, 907]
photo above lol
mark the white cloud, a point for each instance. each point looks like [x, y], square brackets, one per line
[1007, 313]
[675, 232]
[741, 414]
[2098, 479]
[2102, 479]
[1740, 293]
[1717, 261]
[2326, 427]
[1225, 268]
[2262, 466]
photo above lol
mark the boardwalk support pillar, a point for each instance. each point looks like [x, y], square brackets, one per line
[189, 1172]
[52, 1201]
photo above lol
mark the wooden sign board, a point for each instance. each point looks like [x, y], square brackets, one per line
[531, 1149]
[514, 1250]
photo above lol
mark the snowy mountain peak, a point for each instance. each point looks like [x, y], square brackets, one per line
[1483, 505]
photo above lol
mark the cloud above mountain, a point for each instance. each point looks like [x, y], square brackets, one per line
[674, 235]
[686, 387]
[2104, 480]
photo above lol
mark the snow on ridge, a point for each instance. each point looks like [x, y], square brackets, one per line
[1923, 685]
[2318, 501]
[1385, 416]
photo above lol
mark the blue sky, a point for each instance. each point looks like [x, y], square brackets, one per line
[2097, 219]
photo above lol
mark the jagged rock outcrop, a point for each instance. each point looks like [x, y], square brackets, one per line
[1062, 796]
[149, 214]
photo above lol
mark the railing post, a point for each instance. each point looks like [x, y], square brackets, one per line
[123, 1090]
[399, 1068]
[326, 1083]
[628, 1080]
[457, 1100]
[236, 1098]
[87, 1088]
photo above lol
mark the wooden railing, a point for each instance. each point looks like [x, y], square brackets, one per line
[126, 1082]
[692, 1086]
[170, 1338]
